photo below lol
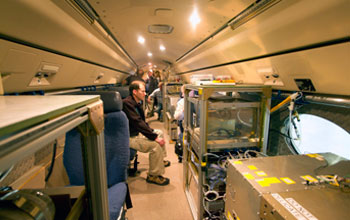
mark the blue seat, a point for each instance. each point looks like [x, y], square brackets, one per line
[116, 133]
[124, 92]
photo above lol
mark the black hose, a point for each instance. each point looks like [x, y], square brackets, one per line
[284, 135]
[52, 161]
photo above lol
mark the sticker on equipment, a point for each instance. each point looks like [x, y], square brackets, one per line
[301, 209]
[294, 208]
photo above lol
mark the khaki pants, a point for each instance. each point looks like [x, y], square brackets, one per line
[156, 152]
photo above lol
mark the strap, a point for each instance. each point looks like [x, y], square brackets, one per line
[128, 202]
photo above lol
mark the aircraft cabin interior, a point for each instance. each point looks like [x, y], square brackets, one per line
[251, 99]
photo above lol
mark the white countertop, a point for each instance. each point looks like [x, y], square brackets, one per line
[18, 112]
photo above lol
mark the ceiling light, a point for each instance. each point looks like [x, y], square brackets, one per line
[141, 40]
[149, 54]
[161, 47]
[194, 18]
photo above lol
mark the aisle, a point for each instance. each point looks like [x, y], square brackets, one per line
[153, 202]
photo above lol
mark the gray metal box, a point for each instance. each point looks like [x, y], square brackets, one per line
[313, 204]
[252, 181]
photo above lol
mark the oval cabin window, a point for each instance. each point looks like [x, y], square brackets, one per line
[313, 134]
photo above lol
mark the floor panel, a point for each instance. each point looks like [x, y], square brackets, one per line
[153, 202]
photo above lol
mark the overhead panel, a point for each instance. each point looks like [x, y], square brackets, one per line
[152, 19]
[293, 29]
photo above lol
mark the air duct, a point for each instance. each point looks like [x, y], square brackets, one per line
[160, 29]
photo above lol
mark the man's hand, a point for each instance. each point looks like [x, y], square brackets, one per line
[160, 141]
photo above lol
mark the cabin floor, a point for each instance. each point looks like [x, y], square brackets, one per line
[153, 202]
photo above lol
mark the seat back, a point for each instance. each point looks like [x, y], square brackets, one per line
[116, 135]
[124, 92]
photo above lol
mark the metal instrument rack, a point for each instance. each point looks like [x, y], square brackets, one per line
[202, 112]
[29, 123]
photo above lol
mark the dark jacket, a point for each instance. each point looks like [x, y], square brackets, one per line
[136, 117]
[152, 84]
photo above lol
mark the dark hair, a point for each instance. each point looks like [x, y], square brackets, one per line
[156, 73]
[139, 73]
[135, 85]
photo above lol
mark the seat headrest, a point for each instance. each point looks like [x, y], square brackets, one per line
[112, 100]
[123, 90]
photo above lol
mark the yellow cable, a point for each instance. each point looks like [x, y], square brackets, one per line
[288, 99]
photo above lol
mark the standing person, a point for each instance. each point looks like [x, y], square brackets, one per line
[138, 76]
[179, 112]
[151, 84]
[179, 116]
[158, 94]
[157, 75]
[142, 137]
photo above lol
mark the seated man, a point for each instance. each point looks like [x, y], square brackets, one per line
[142, 137]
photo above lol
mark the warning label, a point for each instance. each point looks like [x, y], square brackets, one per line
[298, 211]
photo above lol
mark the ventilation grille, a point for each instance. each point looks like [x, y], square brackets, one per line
[160, 29]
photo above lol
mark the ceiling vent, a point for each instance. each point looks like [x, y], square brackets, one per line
[163, 12]
[160, 29]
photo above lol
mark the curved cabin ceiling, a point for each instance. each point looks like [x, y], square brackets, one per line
[246, 39]
[97, 42]
[130, 19]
